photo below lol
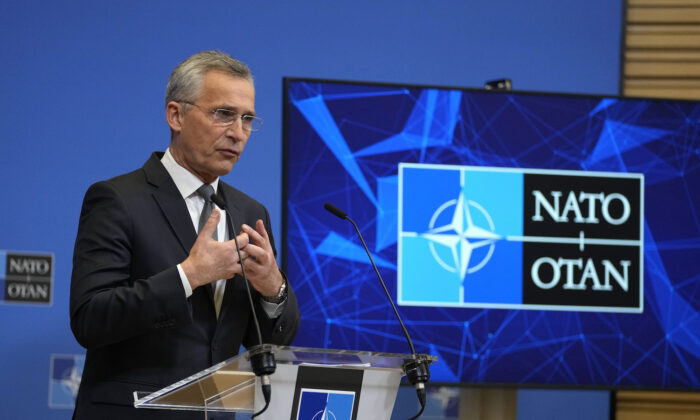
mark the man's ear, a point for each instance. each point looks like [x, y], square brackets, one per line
[173, 115]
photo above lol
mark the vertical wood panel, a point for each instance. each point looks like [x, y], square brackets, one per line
[661, 59]
[639, 405]
[662, 49]
[488, 404]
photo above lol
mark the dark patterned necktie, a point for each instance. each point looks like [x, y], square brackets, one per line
[205, 191]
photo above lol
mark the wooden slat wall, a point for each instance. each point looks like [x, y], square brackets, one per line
[661, 59]
[636, 405]
[488, 404]
[662, 49]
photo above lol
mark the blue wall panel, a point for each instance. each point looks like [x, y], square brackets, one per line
[82, 100]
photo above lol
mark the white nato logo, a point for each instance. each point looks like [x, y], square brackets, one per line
[71, 383]
[462, 236]
[326, 414]
[319, 404]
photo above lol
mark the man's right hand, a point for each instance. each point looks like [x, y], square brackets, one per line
[210, 260]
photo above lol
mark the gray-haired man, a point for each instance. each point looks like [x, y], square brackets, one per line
[156, 293]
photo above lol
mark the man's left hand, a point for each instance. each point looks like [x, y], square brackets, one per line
[261, 266]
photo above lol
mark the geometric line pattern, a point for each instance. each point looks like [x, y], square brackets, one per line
[345, 142]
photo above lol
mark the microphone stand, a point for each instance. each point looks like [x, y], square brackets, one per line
[416, 370]
[261, 357]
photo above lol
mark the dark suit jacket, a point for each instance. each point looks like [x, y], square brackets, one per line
[127, 303]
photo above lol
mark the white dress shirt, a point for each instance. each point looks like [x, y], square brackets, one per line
[187, 184]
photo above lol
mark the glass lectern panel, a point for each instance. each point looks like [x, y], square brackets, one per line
[230, 385]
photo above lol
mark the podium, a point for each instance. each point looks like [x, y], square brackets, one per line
[307, 382]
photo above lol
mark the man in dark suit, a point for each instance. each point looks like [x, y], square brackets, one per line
[149, 297]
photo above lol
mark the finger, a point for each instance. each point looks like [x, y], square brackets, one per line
[260, 228]
[255, 236]
[210, 226]
[250, 262]
[244, 257]
[254, 251]
[237, 270]
[253, 265]
[243, 240]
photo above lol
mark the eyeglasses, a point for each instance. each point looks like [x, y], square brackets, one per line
[223, 117]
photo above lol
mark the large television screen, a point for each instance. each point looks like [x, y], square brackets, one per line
[528, 238]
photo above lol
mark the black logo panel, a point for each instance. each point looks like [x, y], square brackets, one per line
[28, 278]
[565, 206]
[599, 276]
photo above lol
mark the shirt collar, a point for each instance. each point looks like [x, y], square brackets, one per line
[185, 181]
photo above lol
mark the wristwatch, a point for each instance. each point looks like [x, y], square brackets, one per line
[281, 295]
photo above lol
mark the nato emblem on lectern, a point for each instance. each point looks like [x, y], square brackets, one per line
[64, 379]
[320, 404]
[519, 238]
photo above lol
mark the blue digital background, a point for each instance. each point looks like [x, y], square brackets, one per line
[345, 140]
[3, 271]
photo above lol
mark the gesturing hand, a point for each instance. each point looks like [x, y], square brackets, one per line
[261, 269]
[210, 260]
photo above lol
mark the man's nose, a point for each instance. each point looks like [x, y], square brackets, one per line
[236, 131]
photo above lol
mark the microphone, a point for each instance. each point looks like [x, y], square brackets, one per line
[261, 358]
[335, 210]
[417, 370]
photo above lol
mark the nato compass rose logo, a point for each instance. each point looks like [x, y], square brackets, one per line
[320, 404]
[66, 372]
[324, 415]
[461, 236]
[455, 244]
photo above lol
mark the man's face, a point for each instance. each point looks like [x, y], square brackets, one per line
[205, 149]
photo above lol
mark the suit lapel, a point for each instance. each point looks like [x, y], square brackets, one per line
[170, 202]
[236, 213]
[172, 205]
